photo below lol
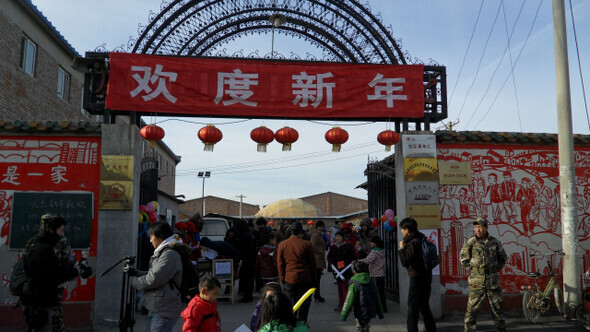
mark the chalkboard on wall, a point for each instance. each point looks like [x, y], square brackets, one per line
[76, 208]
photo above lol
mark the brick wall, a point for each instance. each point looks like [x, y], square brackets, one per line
[219, 205]
[333, 204]
[34, 98]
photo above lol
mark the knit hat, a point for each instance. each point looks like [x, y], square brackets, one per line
[346, 226]
[50, 222]
[181, 226]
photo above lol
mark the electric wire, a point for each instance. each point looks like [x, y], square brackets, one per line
[579, 64]
[515, 62]
[506, 49]
[291, 166]
[306, 156]
[509, 37]
[205, 123]
[465, 56]
[481, 58]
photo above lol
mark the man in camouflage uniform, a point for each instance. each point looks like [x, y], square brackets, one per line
[484, 256]
[63, 252]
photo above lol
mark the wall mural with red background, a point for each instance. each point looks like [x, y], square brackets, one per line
[55, 164]
[517, 189]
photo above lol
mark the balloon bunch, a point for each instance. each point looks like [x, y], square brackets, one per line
[389, 220]
[148, 212]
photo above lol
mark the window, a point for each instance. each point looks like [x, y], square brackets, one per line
[27, 62]
[63, 84]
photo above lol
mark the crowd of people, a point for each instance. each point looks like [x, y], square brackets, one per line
[281, 264]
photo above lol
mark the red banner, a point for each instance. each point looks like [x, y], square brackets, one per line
[254, 88]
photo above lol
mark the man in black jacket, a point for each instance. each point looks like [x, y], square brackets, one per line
[45, 273]
[410, 255]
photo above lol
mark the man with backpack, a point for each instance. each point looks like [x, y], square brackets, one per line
[412, 257]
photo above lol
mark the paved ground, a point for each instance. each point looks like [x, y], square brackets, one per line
[322, 317]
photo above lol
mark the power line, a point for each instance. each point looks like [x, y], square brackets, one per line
[465, 56]
[511, 62]
[515, 62]
[507, 48]
[579, 64]
[481, 59]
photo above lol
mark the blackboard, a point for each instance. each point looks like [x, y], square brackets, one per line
[75, 207]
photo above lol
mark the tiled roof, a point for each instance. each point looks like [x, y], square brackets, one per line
[479, 137]
[48, 126]
[50, 26]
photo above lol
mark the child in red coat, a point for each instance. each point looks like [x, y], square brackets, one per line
[201, 313]
[266, 261]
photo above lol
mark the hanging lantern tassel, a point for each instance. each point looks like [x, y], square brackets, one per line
[262, 136]
[209, 135]
[152, 133]
[336, 136]
[388, 138]
[286, 136]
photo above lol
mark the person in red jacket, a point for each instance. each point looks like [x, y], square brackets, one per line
[201, 313]
[266, 261]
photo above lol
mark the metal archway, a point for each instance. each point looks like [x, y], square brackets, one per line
[345, 31]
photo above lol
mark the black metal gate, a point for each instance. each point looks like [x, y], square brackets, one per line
[148, 191]
[381, 195]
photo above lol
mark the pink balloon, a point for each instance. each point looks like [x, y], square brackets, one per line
[153, 216]
[389, 213]
[150, 206]
[143, 208]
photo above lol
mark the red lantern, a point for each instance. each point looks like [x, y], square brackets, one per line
[336, 136]
[210, 135]
[152, 133]
[271, 223]
[286, 136]
[310, 223]
[388, 138]
[262, 136]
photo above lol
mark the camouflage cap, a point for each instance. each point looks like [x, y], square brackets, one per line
[481, 221]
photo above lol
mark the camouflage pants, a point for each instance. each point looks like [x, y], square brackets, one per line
[57, 318]
[480, 286]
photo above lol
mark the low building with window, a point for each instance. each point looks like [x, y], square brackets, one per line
[37, 80]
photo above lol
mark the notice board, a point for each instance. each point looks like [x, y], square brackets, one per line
[28, 207]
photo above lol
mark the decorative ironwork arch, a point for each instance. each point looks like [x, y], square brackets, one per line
[345, 31]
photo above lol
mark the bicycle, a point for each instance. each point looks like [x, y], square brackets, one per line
[535, 300]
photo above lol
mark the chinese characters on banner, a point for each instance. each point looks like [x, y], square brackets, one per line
[451, 172]
[254, 88]
[116, 183]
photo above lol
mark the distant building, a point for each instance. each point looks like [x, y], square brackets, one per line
[217, 205]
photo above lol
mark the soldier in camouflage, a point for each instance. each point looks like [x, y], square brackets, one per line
[484, 256]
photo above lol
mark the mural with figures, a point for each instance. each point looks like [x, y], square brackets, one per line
[517, 190]
[53, 164]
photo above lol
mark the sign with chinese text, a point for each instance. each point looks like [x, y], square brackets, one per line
[255, 88]
[116, 168]
[451, 172]
[420, 169]
[422, 192]
[427, 216]
[419, 146]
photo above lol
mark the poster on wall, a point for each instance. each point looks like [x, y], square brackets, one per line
[427, 216]
[451, 172]
[420, 169]
[432, 236]
[421, 192]
[419, 146]
[116, 183]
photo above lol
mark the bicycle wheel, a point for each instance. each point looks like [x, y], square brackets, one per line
[529, 307]
[558, 296]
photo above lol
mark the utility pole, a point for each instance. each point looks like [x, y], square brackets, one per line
[241, 199]
[567, 176]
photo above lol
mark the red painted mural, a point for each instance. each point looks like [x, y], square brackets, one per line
[517, 189]
[53, 164]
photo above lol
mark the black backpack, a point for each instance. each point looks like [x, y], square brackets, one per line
[189, 287]
[19, 278]
[429, 254]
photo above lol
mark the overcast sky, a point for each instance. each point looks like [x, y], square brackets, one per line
[470, 38]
